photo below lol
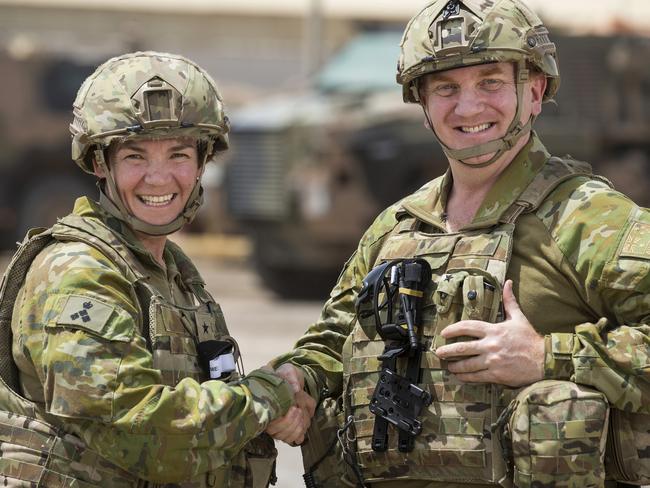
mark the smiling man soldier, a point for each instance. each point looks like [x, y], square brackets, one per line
[493, 327]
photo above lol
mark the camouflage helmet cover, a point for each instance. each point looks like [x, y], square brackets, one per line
[449, 34]
[147, 95]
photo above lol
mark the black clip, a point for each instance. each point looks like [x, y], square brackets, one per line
[452, 8]
[399, 401]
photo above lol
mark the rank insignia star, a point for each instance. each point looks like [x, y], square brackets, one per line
[205, 328]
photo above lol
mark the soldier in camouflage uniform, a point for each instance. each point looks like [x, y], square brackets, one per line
[121, 371]
[535, 324]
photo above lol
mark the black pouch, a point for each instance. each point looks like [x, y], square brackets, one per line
[217, 359]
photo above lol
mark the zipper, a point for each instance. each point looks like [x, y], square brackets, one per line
[615, 449]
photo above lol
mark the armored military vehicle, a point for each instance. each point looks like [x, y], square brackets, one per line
[309, 172]
[38, 181]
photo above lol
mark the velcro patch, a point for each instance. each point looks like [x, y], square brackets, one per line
[637, 242]
[85, 313]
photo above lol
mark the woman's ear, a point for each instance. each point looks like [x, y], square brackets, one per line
[99, 171]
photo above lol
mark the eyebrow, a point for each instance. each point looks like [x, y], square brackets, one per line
[131, 146]
[488, 70]
[180, 147]
[492, 70]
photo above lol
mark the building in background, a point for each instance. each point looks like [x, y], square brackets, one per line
[252, 46]
[305, 151]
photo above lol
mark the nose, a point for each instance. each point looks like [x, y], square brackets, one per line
[158, 173]
[469, 103]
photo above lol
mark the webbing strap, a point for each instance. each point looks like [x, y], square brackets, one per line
[13, 280]
[555, 172]
[33, 450]
[95, 234]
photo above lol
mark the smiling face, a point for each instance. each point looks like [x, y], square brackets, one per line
[473, 105]
[154, 178]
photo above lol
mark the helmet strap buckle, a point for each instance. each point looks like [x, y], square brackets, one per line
[523, 75]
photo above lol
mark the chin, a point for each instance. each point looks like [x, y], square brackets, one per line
[479, 159]
[158, 219]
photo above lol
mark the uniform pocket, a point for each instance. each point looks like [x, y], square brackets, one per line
[558, 433]
[174, 343]
[627, 457]
[254, 467]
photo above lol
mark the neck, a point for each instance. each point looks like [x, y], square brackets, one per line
[471, 179]
[471, 185]
[155, 245]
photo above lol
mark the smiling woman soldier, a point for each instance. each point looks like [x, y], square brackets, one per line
[122, 372]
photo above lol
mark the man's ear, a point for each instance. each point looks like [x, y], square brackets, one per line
[426, 123]
[537, 88]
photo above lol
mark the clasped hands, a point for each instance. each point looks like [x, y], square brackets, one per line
[292, 427]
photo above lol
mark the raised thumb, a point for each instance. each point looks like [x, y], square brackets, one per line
[510, 305]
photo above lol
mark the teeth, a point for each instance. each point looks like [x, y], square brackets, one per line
[476, 128]
[155, 200]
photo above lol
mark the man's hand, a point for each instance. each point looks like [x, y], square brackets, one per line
[292, 427]
[509, 353]
[292, 375]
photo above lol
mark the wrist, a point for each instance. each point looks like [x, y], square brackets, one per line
[269, 388]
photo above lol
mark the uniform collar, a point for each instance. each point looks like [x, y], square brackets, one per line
[85, 207]
[428, 204]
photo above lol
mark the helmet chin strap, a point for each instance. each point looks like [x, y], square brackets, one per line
[516, 130]
[115, 206]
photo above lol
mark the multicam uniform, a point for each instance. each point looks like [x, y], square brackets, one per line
[578, 254]
[121, 371]
[105, 341]
[579, 258]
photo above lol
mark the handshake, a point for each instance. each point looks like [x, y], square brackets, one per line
[292, 427]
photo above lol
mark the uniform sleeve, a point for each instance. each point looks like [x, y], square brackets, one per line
[611, 251]
[80, 326]
[319, 351]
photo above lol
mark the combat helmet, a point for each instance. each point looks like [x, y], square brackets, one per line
[448, 34]
[147, 95]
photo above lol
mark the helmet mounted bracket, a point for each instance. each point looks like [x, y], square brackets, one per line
[157, 104]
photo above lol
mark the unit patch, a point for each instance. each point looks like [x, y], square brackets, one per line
[637, 242]
[85, 312]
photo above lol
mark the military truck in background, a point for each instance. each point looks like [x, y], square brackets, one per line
[308, 173]
[38, 180]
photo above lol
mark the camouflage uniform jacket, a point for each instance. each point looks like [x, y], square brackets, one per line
[121, 386]
[580, 265]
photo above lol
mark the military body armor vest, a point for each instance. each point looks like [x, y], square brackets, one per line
[469, 268]
[35, 451]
